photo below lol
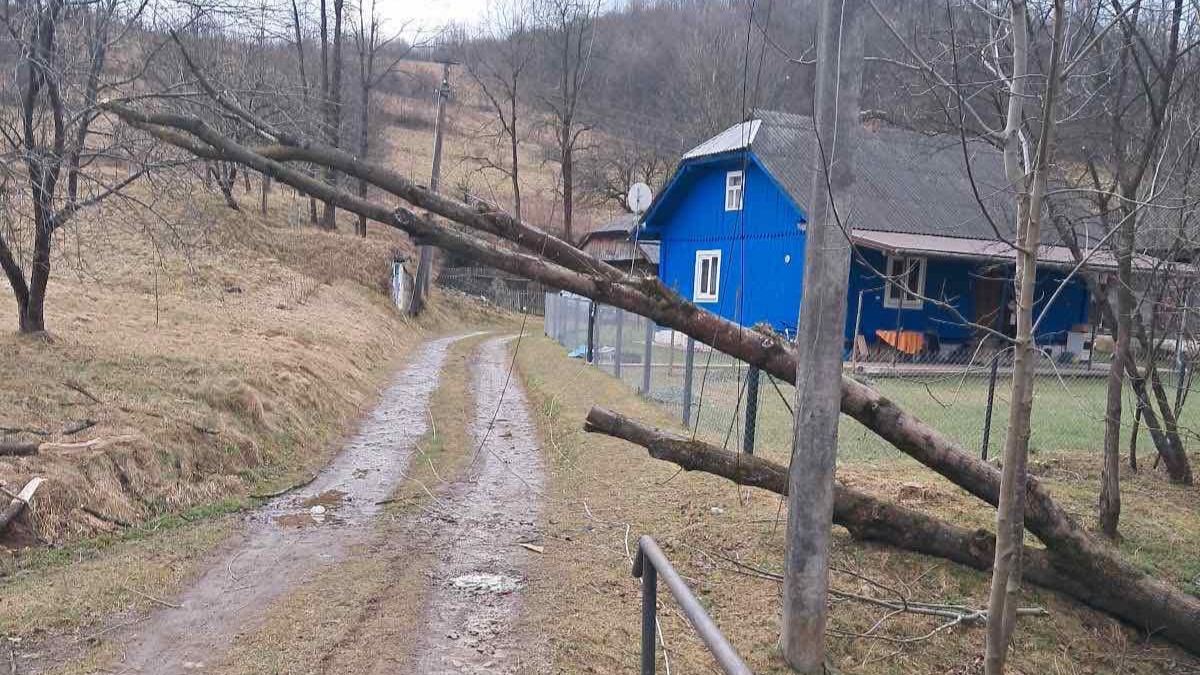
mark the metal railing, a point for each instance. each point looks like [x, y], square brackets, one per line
[718, 646]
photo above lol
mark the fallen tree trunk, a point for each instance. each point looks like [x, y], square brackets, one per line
[34, 447]
[18, 504]
[1106, 583]
[19, 449]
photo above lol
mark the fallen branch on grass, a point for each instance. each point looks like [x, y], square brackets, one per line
[100, 516]
[19, 449]
[954, 614]
[93, 444]
[18, 504]
[35, 447]
[23, 430]
[83, 425]
[1108, 583]
[73, 386]
[151, 598]
[284, 491]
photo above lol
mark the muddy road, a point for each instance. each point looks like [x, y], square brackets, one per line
[482, 534]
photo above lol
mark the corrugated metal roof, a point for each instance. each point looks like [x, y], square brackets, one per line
[982, 249]
[736, 137]
[623, 224]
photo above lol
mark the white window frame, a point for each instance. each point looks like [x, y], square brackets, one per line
[735, 195]
[713, 292]
[894, 295]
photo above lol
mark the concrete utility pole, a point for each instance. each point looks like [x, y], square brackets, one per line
[425, 261]
[821, 336]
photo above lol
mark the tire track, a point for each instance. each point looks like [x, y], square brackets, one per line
[470, 615]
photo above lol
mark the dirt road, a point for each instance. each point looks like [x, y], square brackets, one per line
[478, 526]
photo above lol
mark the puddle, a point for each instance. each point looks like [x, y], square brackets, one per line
[329, 499]
[482, 582]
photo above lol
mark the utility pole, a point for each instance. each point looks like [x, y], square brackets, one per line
[425, 260]
[821, 336]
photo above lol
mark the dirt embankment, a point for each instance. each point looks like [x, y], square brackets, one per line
[229, 364]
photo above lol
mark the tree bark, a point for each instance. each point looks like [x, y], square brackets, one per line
[1133, 439]
[822, 323]
[1110, 475]
[1119, 590]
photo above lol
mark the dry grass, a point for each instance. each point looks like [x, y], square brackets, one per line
[606, 493]
[236, 361]
[407, 137]
[83, 585]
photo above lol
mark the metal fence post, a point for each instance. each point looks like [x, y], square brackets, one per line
[558, 312]
[577, 319]
[751, 410]
[592, 308]
[620, 343]
[689, 360]
[647, 354]
[649, 611]
[671, 356]
[991, 396]
[548, 319]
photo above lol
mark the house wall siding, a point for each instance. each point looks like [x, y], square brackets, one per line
[947, 281]
[762, 247]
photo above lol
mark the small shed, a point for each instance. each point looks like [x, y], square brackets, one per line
[614, 242]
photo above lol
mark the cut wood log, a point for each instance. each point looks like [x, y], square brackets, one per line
[18, 504]
[19, 449]
[93, 444]
[1105, 581]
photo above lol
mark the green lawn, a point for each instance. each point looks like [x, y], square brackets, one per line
[1068, 410]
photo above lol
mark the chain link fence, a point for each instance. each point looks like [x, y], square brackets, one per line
[964, 395]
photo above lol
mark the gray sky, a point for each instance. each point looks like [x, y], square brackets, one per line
[431, 14]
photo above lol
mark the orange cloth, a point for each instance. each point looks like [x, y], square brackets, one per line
[908, 341]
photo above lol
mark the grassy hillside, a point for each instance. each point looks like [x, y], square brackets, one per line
[227, 357]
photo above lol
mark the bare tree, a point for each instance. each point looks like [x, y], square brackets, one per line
[331, 93]
[370, 44]
[305, 87]
[1027, 168]
[610, 170]
[48, 137]
[496, 59]
[570, 33]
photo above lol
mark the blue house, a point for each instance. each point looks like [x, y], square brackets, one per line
[928, 262]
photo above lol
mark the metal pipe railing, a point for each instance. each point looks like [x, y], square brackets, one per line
[718, 646]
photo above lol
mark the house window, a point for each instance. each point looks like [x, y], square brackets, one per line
[905, 284]
[735, 186]
[708, 276]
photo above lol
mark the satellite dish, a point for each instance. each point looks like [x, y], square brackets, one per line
[639, 198]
